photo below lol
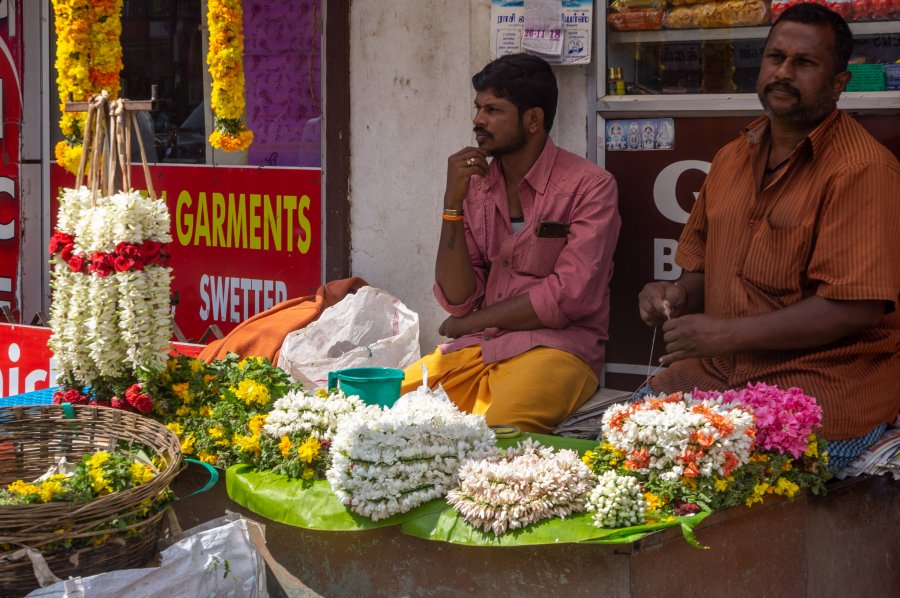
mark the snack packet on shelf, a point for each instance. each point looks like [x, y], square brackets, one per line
[730, 13]
[635, 20]
[874, 10]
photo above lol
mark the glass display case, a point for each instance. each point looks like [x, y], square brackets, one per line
[695, 68]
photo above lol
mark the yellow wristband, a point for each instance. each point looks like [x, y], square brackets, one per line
[450, 218]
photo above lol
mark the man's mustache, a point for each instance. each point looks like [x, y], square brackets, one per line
[481, 131]
[782, 87]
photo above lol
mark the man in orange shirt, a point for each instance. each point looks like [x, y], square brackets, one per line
[790, 253]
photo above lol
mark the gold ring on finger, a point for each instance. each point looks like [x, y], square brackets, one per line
[471, 162]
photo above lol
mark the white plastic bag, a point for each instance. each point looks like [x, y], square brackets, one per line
[217, 558]
[370, 328]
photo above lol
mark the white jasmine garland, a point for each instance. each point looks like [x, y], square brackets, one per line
[313, 413]
[680, 437]
[104, 326]
[389, 461]
[525, 485]
[617, 501]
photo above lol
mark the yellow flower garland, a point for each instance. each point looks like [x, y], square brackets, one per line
[226, 66]
[88, 60]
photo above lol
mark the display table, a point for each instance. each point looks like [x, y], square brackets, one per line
[843, 544]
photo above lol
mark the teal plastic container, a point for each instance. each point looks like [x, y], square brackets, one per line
[375, 386]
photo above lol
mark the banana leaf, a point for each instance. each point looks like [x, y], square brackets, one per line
[448, 525]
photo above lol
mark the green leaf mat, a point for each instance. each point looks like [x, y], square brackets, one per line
[313, 505]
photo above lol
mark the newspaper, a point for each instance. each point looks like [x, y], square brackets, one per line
[883, 457]
[586, 421]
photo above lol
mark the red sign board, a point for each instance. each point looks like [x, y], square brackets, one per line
[27, 363]
[244, 238]
[11, 113]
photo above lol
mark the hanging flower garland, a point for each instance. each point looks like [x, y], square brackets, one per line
[88, 60]
[226, 66]
[110, 312]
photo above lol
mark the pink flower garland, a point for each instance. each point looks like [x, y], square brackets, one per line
[784, 418]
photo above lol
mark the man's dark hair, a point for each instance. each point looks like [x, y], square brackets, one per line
[525, 80]
[816, 14]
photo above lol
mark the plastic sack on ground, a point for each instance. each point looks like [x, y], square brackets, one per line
[217, 558]
[370, 328]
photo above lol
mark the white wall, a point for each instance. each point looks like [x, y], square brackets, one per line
[411, 63]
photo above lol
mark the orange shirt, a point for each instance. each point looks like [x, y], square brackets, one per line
[829, 225]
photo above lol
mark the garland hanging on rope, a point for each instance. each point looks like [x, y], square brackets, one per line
[88, 59]
[226, 66]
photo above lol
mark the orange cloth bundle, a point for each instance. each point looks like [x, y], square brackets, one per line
[262, 335]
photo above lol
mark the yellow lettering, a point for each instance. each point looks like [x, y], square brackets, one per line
[290, 204]
[236, 235]
[304, 242]
[255, 200]
[218, 220]
[201, 230]
[184, 235]
[272, 223]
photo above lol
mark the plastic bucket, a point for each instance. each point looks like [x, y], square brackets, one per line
[375, 386]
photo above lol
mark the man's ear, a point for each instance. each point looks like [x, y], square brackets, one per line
[533, 120]
[839, 84]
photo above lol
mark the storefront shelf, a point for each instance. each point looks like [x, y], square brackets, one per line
[733, 33]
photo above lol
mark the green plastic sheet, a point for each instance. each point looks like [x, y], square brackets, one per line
[313, 505]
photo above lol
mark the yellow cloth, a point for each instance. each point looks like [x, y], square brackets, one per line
[534, 391]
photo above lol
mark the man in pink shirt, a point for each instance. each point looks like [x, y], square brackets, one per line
[524, 260]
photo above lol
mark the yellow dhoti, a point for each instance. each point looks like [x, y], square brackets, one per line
[534, 391]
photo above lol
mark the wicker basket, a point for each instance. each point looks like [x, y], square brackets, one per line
[33, 439]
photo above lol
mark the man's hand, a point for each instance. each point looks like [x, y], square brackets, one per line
[659, 301]
[460, 168]
[454, 327]
[696, 336]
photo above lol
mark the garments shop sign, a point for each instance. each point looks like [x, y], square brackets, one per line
[656, 193]
[27, 363]
[11, 113]
[243, 239]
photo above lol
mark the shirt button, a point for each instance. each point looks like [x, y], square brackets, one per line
[751, 223]
[506, 263]
[741, 369]
[499, 295]
[740, 274]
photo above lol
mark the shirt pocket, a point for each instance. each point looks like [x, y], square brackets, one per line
[777, 258]
[540, 255]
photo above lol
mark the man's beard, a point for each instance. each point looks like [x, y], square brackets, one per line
[798, 115]
[514, 144]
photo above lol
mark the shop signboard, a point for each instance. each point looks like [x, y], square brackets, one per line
[657, 190]
[27, 363]
[11, 113]
[243, 238]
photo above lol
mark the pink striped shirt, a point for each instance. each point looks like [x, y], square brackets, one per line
[566, 278]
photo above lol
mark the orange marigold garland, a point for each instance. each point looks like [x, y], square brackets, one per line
[88, 60]
[226, 66]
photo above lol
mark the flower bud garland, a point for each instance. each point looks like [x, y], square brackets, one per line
[617, 501]
[226, 66]
[88, 60]
[527, 484]
[674, 437]
[389, 461]
[110, 312]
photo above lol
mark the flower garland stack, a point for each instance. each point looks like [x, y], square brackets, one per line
[303, 424]
[389, 461]
[706, 449]
[226, 66]
[528, 483]
[111, 309]
[88, 59]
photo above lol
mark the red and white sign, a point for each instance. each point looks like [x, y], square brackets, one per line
[10, 117]
[27, 363]
[244, 238]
